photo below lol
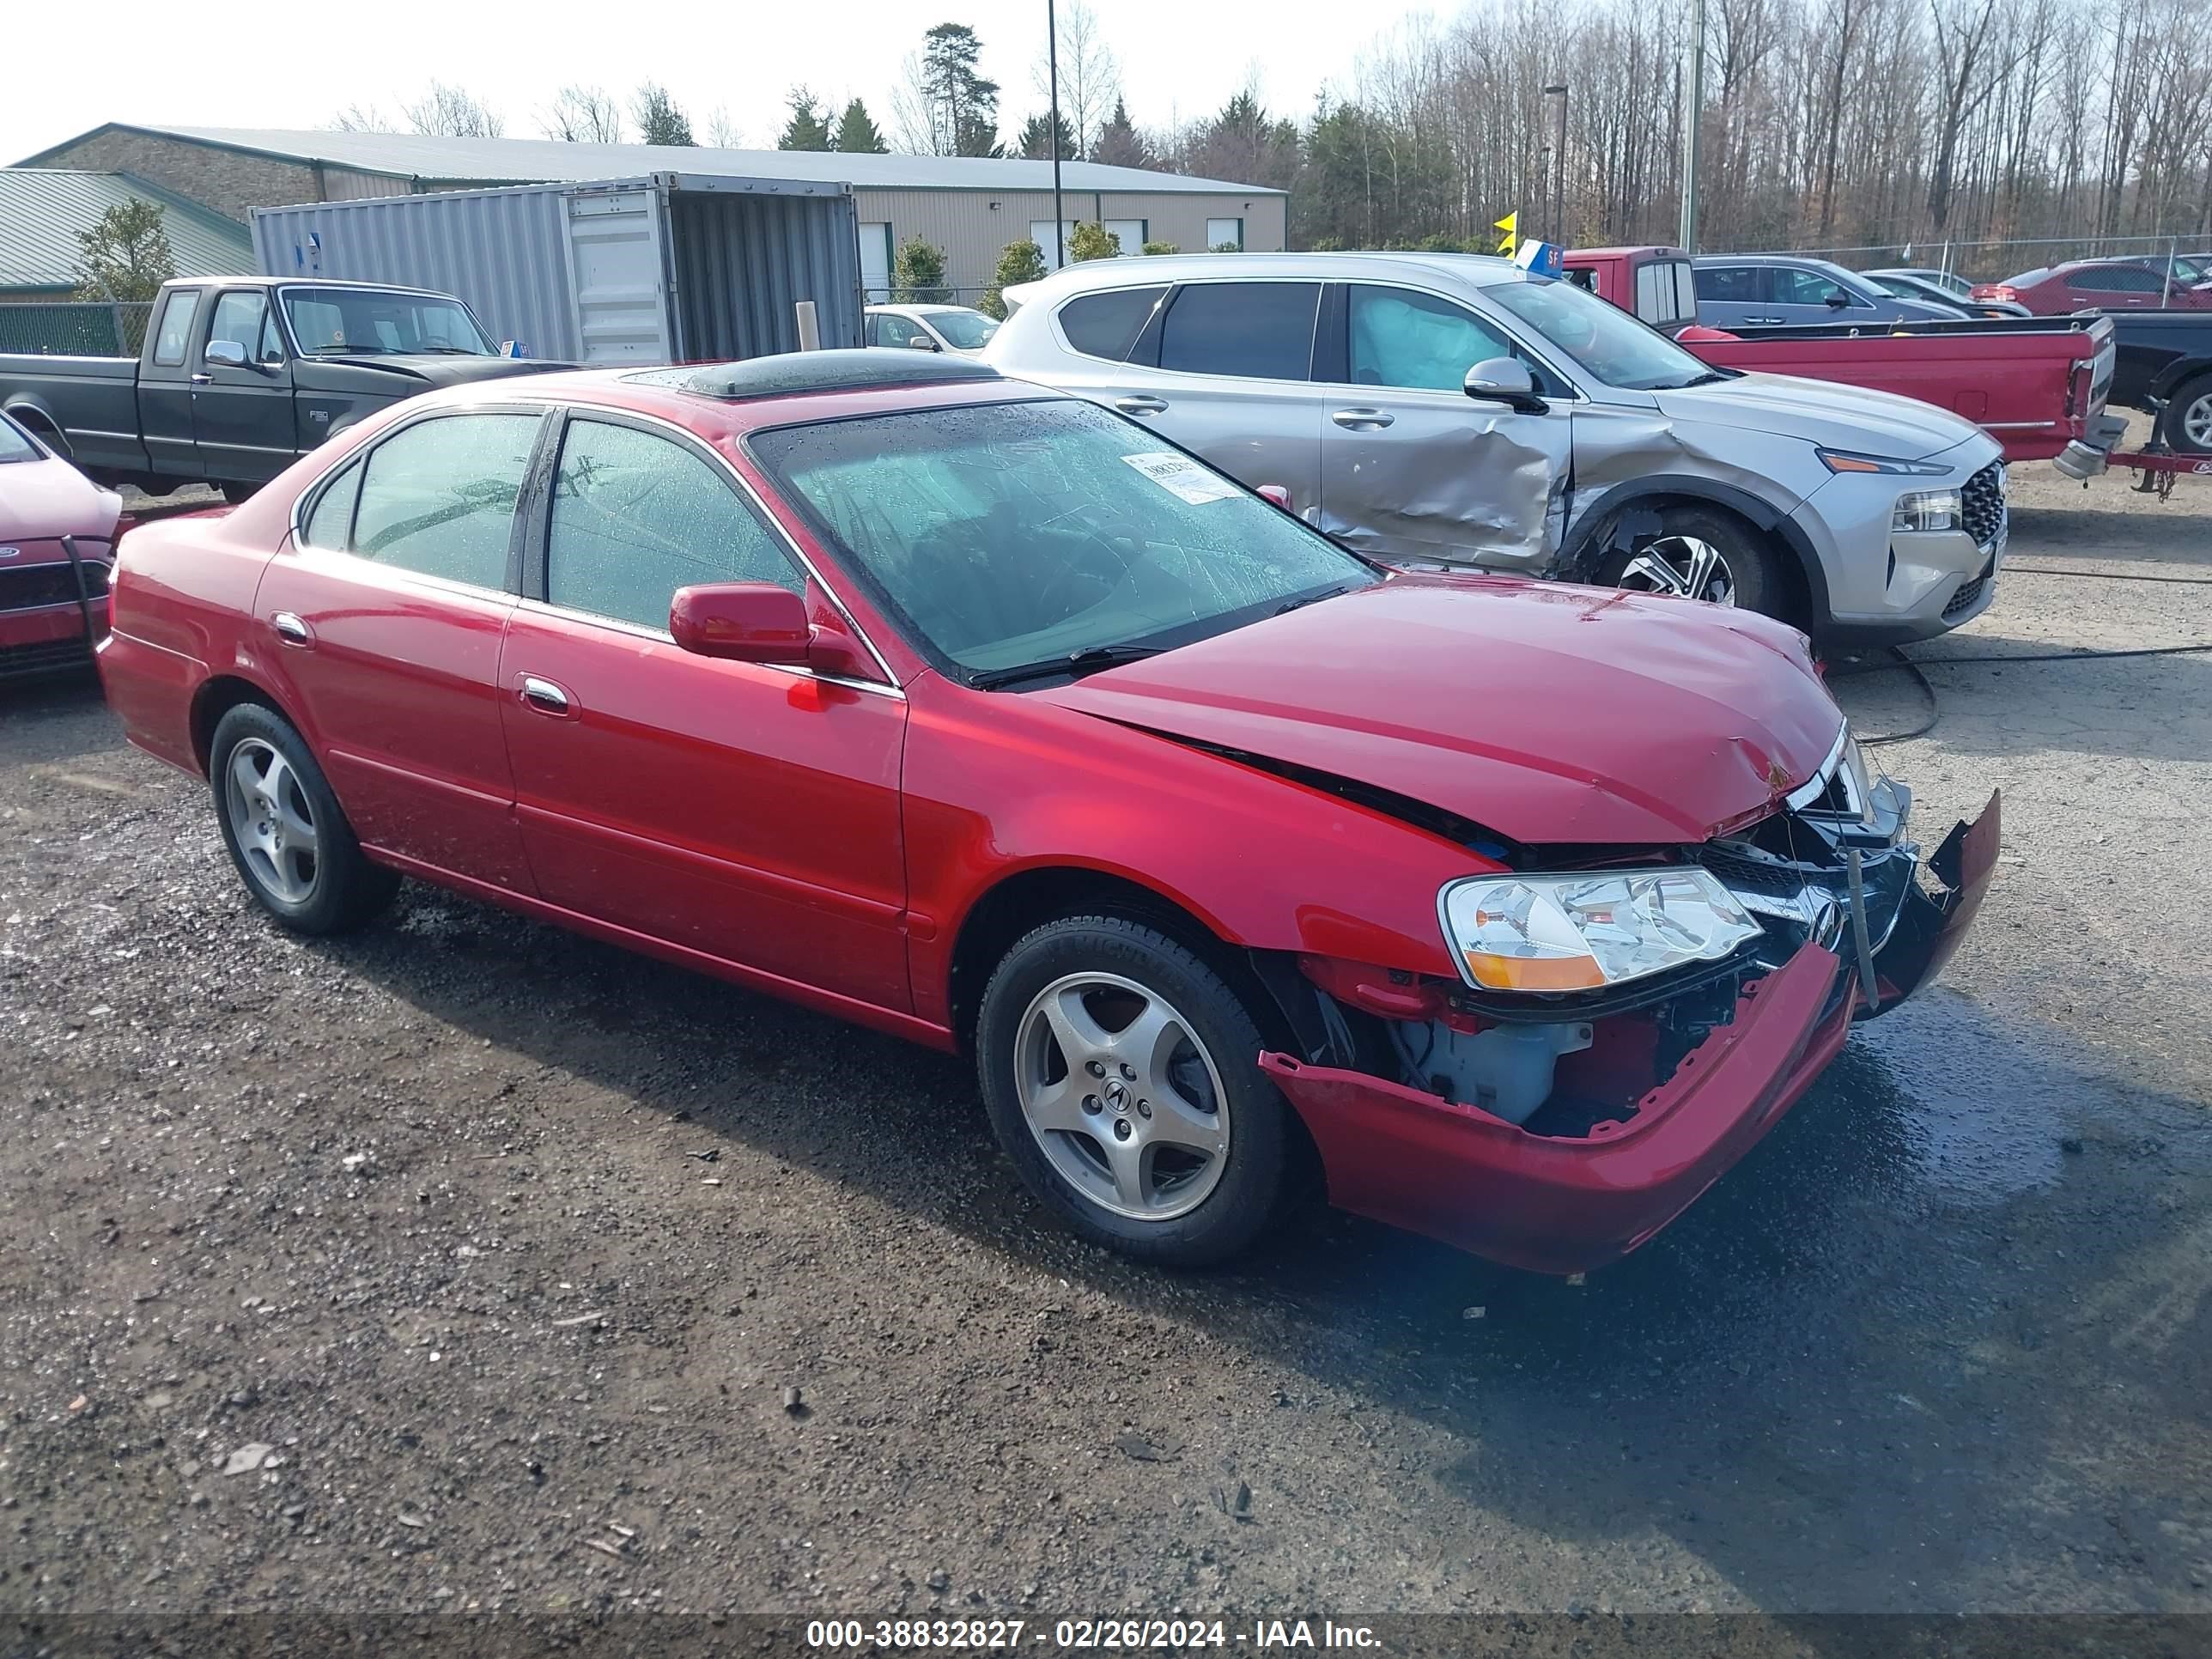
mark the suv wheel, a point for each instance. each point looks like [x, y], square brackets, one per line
[1703, 553]
[1118, 1069]
[284, 828]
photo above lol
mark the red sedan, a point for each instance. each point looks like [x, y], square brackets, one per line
[976, 714]
[2099, 285]
[56, 540]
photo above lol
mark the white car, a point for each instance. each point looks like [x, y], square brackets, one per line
[962, 330]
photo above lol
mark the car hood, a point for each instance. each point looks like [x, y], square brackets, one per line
[49, 498]
[1825, 412]
[435, 369]
[1548, 715]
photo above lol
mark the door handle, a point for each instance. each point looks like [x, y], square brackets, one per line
[292, 630]
[545, 698]
[1358, 419]
[1141, 406]
[202, 380]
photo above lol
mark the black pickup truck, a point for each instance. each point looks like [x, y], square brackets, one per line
[2163, 365]
[241, 376]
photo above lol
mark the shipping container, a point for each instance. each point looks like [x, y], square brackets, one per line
[671, 267]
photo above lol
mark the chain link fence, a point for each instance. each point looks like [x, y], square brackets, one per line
[72, 328]
[1994, 261]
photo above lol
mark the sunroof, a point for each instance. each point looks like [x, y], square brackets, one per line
[786, 373]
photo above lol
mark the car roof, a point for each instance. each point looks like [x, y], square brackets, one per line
[729, 400]
[1143, 270]
[929, 309]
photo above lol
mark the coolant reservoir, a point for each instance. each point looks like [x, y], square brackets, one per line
[1506, 1070]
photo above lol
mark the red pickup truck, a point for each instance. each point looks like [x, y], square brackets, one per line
[2037, 384]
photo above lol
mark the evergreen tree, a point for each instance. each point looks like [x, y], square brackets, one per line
[1120, 145]
[856, 132]
[918, 273]
[1019, 263]
[1092, 241]
[660, 121]
[805, 130]
[963, 106]
[126, 255]
[1037, 139]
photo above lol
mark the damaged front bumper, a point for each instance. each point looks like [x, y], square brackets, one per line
[1561, 1205]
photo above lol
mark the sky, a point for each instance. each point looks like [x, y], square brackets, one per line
[289, 65]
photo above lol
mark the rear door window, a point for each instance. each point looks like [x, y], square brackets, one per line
[1738, 283]
[1255, 331]
[635, 516]
[174, 336]
[1793, 287]
[1106, 325]
[437, 497]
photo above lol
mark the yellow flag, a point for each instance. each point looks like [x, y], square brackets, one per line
[1510, 224]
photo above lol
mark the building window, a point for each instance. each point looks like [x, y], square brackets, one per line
[1225, 233]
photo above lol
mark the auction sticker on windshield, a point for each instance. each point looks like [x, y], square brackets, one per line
[1181, 475]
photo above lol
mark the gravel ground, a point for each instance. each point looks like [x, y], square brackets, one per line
[467, 1264]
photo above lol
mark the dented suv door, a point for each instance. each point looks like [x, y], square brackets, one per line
[1413, 468]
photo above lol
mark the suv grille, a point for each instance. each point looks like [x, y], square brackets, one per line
[1984, 504]
[48, 584]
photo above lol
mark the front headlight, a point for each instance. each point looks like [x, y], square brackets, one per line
[1928, 509]
[1582, 932]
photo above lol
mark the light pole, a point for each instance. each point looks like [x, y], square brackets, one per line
[1688, 237]
[1559, 167]
[1052, 74]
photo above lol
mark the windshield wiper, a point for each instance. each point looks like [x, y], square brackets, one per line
[454, 351]
[1706, 379]
[1087, 661]
[1289, 606]
[346, 350]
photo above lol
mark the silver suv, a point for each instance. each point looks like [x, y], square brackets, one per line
[1441, 409]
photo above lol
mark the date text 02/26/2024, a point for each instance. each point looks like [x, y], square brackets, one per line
[1087, 1635]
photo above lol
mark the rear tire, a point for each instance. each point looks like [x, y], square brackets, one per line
[284, 830]
[1741, 570]
[1118, 1068]
[2185, 424]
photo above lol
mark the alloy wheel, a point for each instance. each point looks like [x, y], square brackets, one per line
[2197, 424]
[273, 823]
[1683, 566]
[1121, 1096]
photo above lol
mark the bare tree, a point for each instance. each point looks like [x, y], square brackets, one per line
[584, 115]
[451, 111]
[362, 118]
[722, 129]
[1090, 78]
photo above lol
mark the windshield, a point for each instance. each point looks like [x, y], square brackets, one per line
[1604, 339]
[350, 320]
[1019, 534]
[15, 444]
[965, 329]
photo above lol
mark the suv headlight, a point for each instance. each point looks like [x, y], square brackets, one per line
[1582, 932]
[1928, 509]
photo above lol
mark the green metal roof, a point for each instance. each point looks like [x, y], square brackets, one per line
[42, 209]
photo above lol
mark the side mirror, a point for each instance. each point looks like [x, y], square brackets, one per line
[922, 342]
[1502, 380]
[741, 622]
[228, 353]
[1837, 300]
[1276, 493]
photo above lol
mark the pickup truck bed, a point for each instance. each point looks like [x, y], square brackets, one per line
[2035, 383]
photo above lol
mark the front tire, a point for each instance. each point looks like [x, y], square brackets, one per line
[1704, 553]
[1118, 1070]
[285, 831]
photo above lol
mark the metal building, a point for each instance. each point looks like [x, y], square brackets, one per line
[970, 208]
[672, 267]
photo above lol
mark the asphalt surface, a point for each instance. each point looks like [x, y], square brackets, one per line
[507, 1247]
